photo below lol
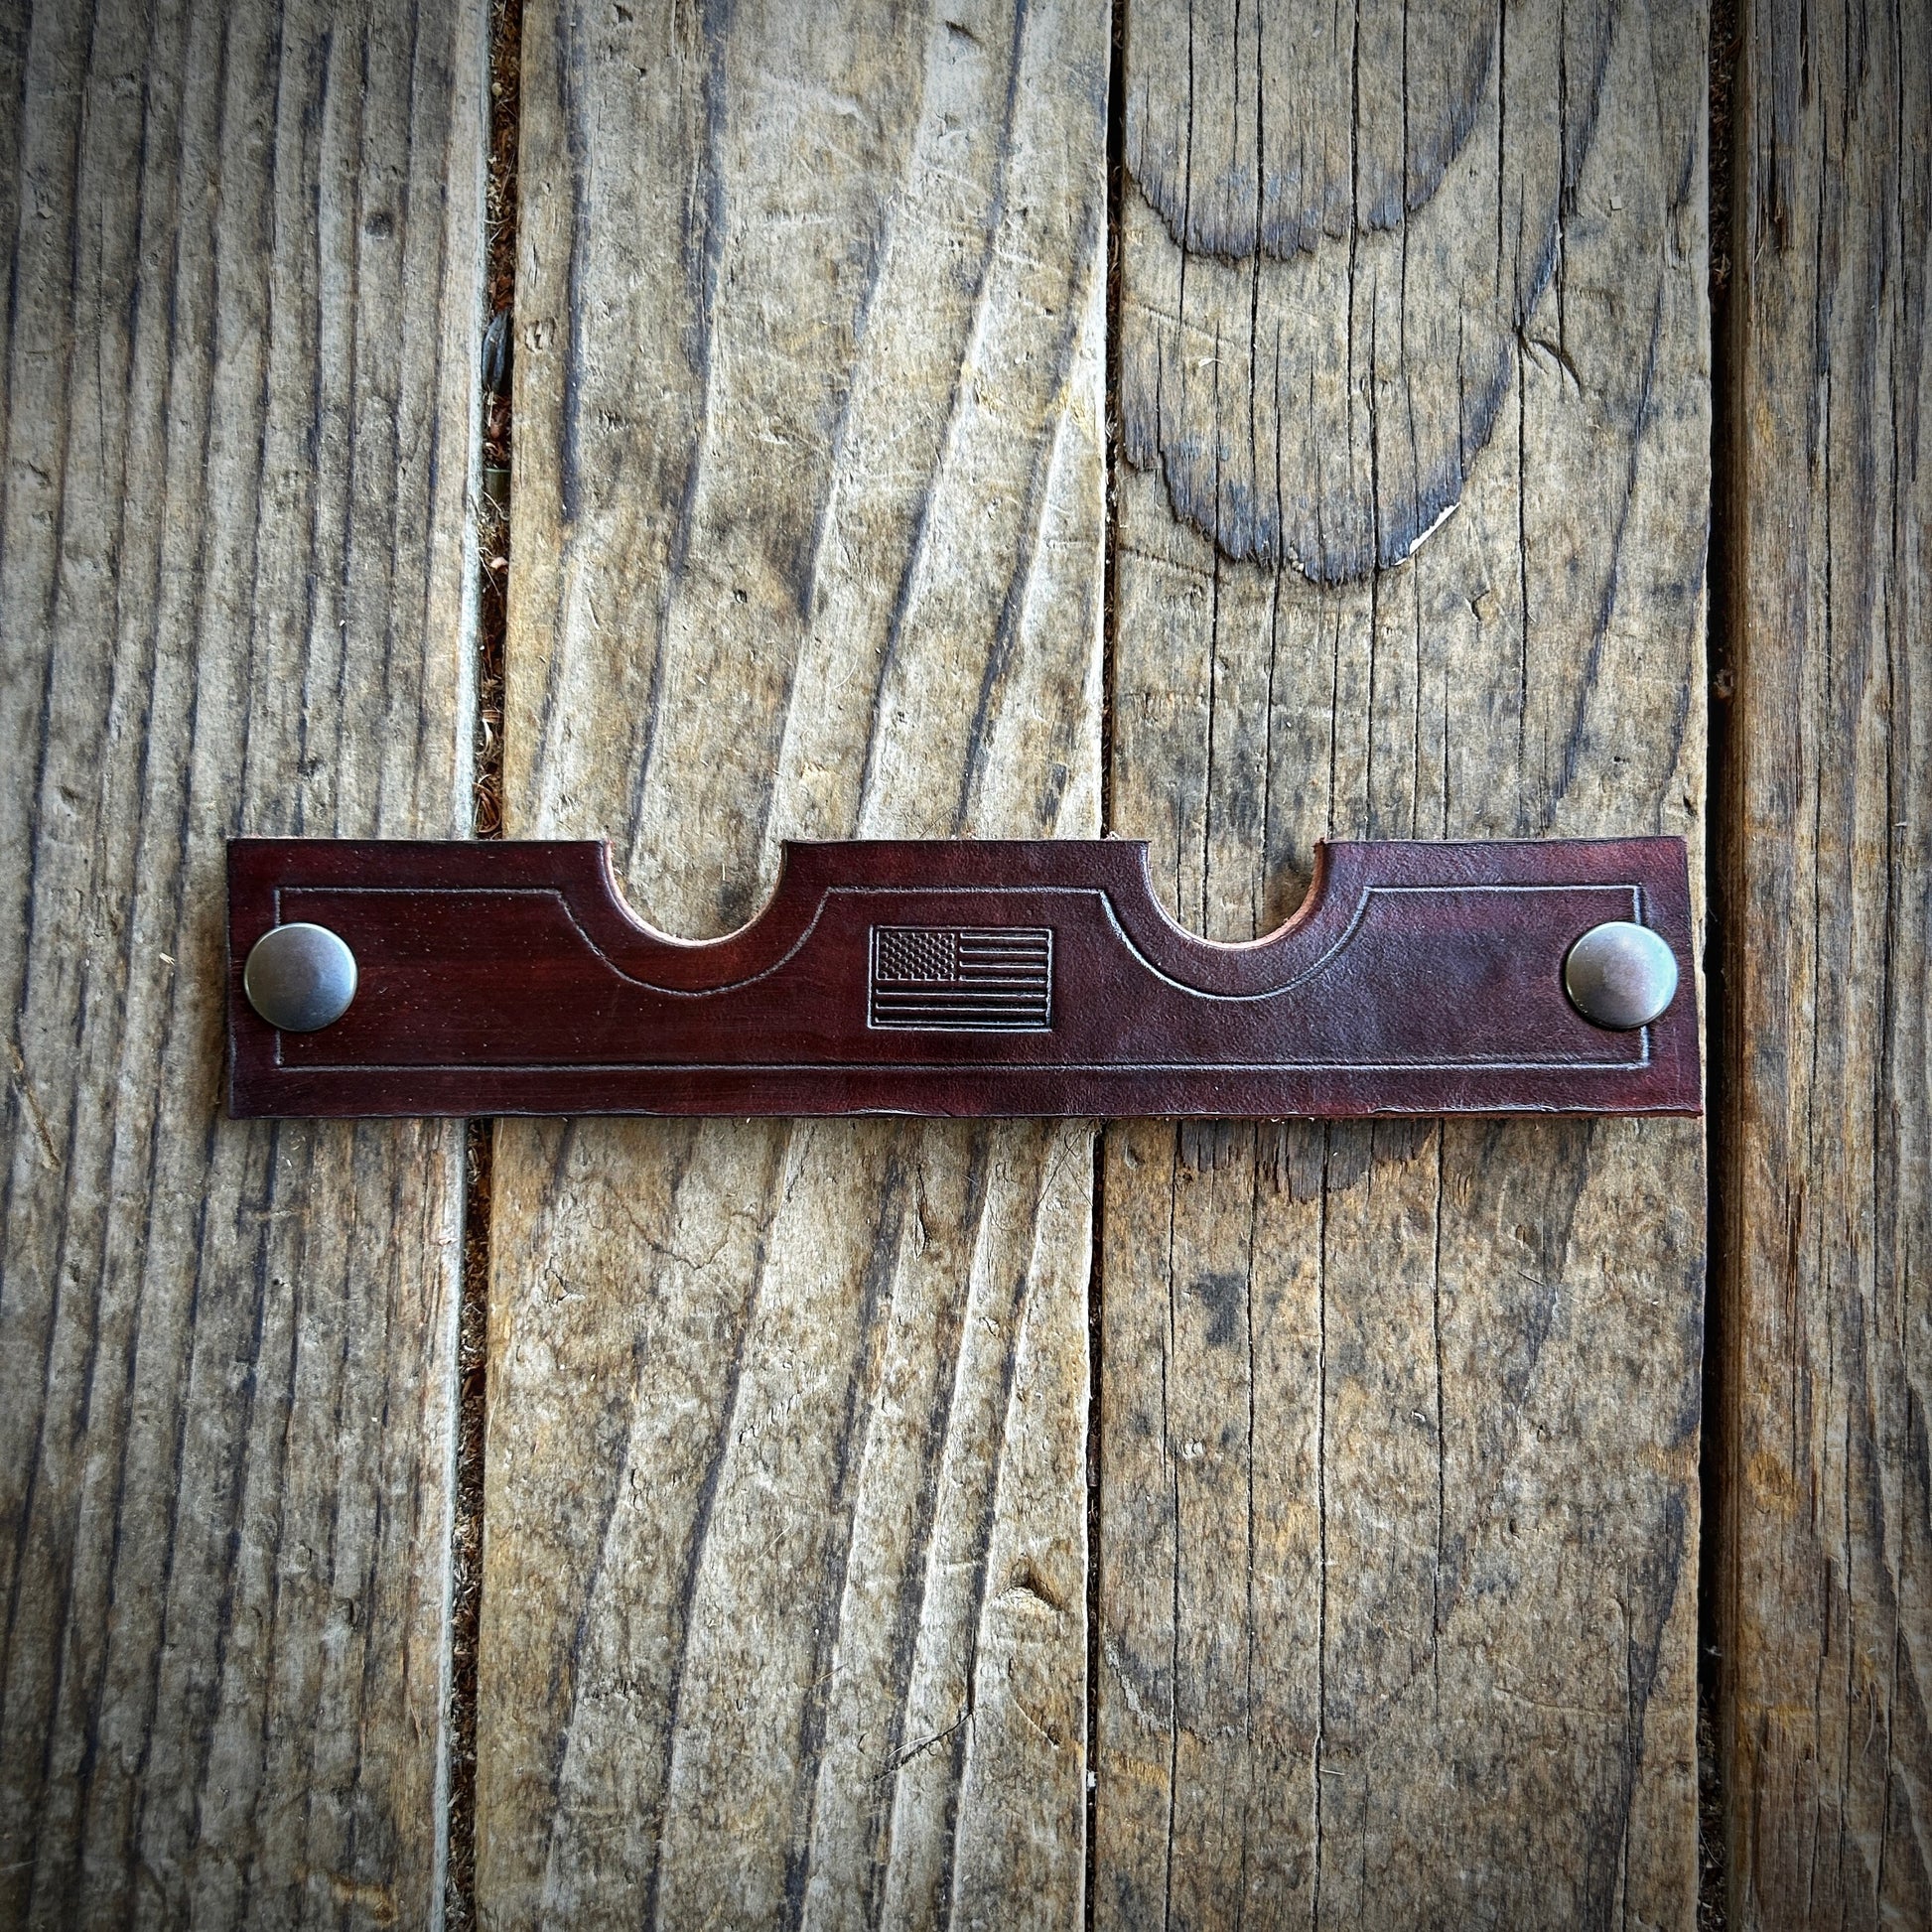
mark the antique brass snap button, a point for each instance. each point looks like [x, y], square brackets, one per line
[300, 978]
[1620, 975]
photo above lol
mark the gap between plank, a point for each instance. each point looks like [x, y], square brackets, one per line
[1720, 849]
[473, 1328]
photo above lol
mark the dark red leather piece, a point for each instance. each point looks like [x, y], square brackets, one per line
[941, 978]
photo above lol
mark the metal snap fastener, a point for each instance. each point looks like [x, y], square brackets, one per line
[300, 978]
[1620, 975]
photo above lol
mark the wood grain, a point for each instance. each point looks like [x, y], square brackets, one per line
[1400, 1421]
[784, 1606]
[240, 387]
[1825, 1580]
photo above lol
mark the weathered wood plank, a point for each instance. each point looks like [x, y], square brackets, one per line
[239, 366]
[1399, 1422]
[1825, 1584]
[784, 1606]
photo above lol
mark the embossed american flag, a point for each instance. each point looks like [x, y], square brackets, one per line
[962, 978]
